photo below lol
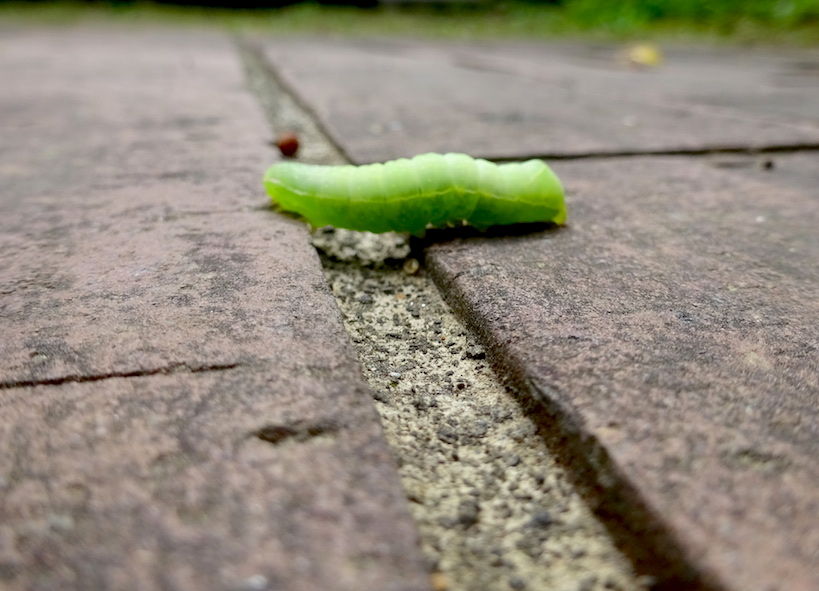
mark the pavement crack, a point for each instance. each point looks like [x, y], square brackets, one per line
[174, 368]
[298, 431]
[703, 151]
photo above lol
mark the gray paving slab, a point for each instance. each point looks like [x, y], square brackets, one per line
[671, 330]
[385, 99]
[238, 479]
[180, 405]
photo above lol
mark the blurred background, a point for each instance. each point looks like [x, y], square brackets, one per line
[746, 21]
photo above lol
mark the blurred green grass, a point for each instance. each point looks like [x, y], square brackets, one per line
[790, 22]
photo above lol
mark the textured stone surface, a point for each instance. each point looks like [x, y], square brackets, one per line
[671, 329]
[179, 405]
[384, 99]
[243, 479]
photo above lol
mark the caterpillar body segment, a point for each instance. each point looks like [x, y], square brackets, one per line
[410, 195]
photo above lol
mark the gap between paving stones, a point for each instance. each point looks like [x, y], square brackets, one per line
[726, 150]
[495, 509]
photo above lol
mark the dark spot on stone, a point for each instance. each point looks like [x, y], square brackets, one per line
[685, 316]
[447, 435]
[517, 583]
[276, 433]
[474, 352]
[381, 396]
[299, 431]
[421, 404]
[468, 512]
[541, 519]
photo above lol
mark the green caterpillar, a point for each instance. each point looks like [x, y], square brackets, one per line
[410, 195]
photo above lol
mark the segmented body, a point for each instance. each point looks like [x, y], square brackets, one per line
[410, 195]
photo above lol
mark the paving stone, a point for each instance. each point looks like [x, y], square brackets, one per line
[671, 331]
[385, 99]
[179, 404]
[179, 482]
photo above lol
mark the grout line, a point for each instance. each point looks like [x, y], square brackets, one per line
[252, 55]
[173, 368]
[706, 151]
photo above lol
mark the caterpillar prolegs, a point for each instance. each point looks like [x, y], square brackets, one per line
[410, 195]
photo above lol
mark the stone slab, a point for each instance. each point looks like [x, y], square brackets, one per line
[181, 408]
[671, 331]
[381, 99]
[244, 479]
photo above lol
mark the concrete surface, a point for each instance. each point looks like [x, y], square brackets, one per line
[671, 331]
[381, 99]
[181, 408]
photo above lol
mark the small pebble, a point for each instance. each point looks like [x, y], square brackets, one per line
[411, 266]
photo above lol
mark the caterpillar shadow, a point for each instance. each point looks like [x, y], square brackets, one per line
[467, 234]
[510, 230]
